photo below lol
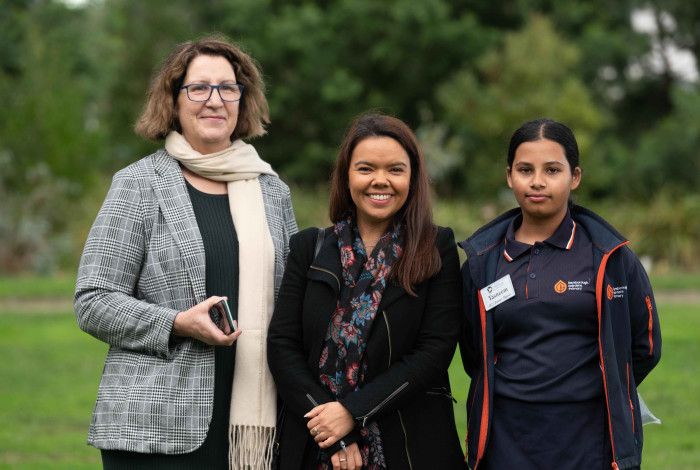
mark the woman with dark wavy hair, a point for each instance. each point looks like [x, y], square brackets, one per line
[367, 318]
[202, 220]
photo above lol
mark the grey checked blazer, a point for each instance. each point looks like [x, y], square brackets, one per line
[143, 263]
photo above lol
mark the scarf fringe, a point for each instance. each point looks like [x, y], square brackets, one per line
[251, 447]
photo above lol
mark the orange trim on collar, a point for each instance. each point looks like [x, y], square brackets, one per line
[570, 243]
[505, 253]
[507, 256]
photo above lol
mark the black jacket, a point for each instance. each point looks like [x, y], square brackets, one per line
[629, 337]
[409, 349]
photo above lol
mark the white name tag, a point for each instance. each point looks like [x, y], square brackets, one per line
[497, 292]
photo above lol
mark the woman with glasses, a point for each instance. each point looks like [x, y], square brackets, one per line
[365, 329]
[201, 221]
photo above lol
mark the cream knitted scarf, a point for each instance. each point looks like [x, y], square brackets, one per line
[253, 412]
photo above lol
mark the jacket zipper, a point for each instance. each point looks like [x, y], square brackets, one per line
[329, 272]
[470, 411]
[378, 407]
[599, 306]
[388, 335]
[312, 400]
[403, 428]
[441, 393]
[629, 397]
[484, 422]
[650, 326]
[405, 440]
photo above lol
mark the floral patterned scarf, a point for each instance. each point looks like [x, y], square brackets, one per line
[343, 365]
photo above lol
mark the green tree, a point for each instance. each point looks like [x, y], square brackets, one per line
[531, 75]
[668, 157]
[329, 61]
[324, 62]
[46, 142]
[131, 41]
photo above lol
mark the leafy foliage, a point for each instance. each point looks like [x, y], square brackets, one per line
[530, 75]
[463, 74]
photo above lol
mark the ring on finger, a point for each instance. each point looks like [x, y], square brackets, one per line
[314, 431]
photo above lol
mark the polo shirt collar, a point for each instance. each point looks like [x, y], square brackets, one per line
[563, 237]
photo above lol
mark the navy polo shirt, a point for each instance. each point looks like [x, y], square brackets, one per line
[546, 337]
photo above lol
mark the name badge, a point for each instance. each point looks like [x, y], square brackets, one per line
[497, 292]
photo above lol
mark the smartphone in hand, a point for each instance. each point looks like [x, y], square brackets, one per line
[221, 314]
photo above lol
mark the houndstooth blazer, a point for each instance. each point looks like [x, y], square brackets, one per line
[143, 263]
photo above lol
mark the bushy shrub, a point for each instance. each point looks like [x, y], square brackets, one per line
[665, 228]
[35, 221]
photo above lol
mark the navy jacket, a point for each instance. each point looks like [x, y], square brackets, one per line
[409, 348]
[629, 338]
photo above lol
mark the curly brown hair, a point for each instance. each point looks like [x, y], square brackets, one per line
[159, 115]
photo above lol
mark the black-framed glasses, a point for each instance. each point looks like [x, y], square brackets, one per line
[202, 91]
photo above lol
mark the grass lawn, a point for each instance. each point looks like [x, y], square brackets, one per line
[32, 287]
[50, 370]
[672, 391]
[48, 382]
[675, 281]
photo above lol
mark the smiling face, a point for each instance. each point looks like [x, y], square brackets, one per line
[379, 180]
[208, 125]
[542, 179]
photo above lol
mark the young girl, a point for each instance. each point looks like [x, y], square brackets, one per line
[561, 325]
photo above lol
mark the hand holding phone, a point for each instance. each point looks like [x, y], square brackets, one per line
[221, 315]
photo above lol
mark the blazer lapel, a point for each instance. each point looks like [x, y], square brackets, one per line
[326, 270]
[174, 201]
[326, 266]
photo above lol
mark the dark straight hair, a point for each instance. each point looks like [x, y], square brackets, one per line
[549, 129]
[420, 258]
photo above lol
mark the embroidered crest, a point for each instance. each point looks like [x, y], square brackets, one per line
[560, 287]
[610, 292]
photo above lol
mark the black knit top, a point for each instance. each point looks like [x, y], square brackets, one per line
[213, 216]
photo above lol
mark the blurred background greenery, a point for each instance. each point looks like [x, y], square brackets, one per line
[463, 73]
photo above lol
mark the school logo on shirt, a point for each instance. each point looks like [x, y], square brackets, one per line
[616, 292]
[560, 287]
